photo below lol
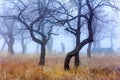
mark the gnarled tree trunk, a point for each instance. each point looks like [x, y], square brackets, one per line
[75, 52]
[67, 60]
[85, 41]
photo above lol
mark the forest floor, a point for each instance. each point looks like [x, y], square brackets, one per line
[25, 67]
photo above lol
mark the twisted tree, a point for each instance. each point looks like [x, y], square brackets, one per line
[34, 15]
[84, 13]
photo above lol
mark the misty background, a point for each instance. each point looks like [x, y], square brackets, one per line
[68, 40]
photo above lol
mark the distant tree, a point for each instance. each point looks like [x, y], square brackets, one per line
[112, 36]
[3, 46]
[8, 28]
[24, 43]
[8, 31]
[97, 29]
[37, 48]
[63, 47]
[50, 45]
[24, 38]
[99, 32]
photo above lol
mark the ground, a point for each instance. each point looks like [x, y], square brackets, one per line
[25, 67]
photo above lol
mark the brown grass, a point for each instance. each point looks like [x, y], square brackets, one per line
[24, 67]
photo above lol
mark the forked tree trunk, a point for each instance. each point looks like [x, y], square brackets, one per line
[85, 41]
[89, 50]
[75, 52]
[42, 56]
[67, 60]
[79, 47]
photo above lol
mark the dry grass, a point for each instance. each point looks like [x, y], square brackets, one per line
[24, 67]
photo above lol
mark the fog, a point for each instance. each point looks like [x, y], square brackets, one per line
[68, 39]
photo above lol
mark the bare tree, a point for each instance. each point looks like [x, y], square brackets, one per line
[76, 30]
[24, 43]
[8, 33]
[24, 37]
[87, 15]
[85, 41]
[67, 19]
[34, 15]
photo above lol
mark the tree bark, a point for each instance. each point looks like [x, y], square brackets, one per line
[89, 50]
[42, 56]
[77, 61]
[78, 33]
[75, 52]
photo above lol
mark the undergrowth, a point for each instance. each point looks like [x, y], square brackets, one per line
[25, 67]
